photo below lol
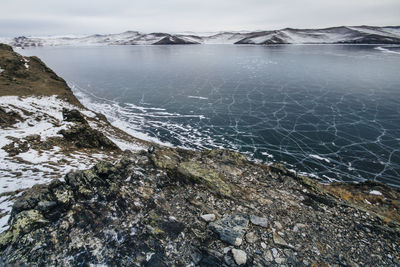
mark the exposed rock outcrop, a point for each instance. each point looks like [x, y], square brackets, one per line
[140, 211]
[7, 119]
[82, 135]
[173, 40]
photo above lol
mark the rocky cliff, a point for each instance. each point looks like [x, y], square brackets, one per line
[163, 206]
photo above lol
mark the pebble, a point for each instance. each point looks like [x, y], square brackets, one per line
[239, 256]
[279, 240]
[260, 221]
[278, 225]
[275, 252]
[268, 256]
[227, 249]
[280, 260]
[208, 217]
[263, 245]
[251, 237]
[300, 225]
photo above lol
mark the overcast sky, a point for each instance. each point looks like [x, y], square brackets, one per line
[50, 17]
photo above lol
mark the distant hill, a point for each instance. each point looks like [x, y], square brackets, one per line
[334, 35]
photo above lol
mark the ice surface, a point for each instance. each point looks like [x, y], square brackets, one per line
[289, 102]
[387, 50]
[321, 108]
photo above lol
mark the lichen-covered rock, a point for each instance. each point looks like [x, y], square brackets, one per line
[226, 156]
[199, 173]
[31, 198]
[146, 208]
[24, 222]
[165, 158]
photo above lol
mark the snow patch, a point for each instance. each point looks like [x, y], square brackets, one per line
[5, 208]
[197, 97]
[41, 116]
[123, 145]
[26, 61]
[267, 154]
[375, 192]
[319, 158]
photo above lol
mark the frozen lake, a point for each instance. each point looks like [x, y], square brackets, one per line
[331, 111]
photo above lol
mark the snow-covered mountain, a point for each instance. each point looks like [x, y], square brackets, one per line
[334, 35]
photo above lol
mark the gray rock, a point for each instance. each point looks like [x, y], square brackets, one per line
[280, 241]
[300, 225]
[275, 252]
[227, 249]
[208, 217]
[260, 221]
[231, 229]
[251, 237]
[268, 256]
[239, 256]
[46, 205]
[278, 225]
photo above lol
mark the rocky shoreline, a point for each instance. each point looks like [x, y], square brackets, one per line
[160, 206]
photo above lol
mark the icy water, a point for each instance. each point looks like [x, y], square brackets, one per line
[329, 111]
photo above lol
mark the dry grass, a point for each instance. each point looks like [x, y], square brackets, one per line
[383, 205]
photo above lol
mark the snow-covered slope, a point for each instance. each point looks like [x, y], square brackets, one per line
[334, 35]
[35, 129]
[125, 38]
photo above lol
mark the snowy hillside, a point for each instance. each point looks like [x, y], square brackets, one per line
[334, 35]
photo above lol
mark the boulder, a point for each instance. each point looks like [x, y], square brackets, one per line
[239, 256]
[231, 229]
[83, 136]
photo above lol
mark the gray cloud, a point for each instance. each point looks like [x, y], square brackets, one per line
[47, 17]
